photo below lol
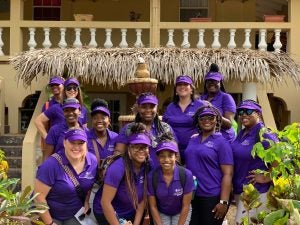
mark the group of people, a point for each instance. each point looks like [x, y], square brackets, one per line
[181, 170]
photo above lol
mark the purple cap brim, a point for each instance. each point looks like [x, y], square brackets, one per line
[184, 79]
[56, 80]
[214, 76]
[71, 105]
[207, 111]
[76, 135]
[71, 81]
[101, 109]
[144, 99]
[249, 105]
[139, 138]
[167, 145]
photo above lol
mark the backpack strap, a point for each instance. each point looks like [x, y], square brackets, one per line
[46, 105]
[155, 179]
[96, 151]
[182, 176]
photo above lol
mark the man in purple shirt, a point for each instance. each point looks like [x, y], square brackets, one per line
[56, 85]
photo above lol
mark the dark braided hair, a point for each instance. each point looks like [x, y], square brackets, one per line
[200, 110]
[98, 102]
[129, 173]
[214, 68]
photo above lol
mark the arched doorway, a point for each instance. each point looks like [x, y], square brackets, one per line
[281, 115]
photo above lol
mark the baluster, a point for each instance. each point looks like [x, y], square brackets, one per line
[262, 40]
[216, 42]
[170, 42]
[31, 43]
[138, 43]
[123, 43]
[108, 43]
[231, 43]
[277, 44]
[185, 42]
[247, 43]
[93, 43]
[1, 42]
[62, 43]
[77, 43]
[47, 44]
[201, 43]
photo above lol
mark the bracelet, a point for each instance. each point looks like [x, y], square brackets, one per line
[52, 222]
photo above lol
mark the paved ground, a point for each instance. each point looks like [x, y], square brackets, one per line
[231, 214]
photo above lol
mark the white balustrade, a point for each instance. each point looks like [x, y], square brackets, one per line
[47, 44]
[108, 43]
[216, 43]
[62, 43]
[77, 43]
[262, 40]
[170, 42]
[31, 43]
[123, 43]
[201, 43]
[138, 43]
[247, 43]
[185, 43]
[1, 42]
[277, 44]
[231, 43]
[93, 43]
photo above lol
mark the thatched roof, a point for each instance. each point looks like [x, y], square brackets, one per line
[108, 66]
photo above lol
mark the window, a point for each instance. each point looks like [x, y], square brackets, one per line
[46, 9]
[193, 8]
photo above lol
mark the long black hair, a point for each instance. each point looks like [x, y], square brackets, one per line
[214, 68]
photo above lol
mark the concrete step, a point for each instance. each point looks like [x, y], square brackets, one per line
[14, 162]
[14, 173]
[12, 151]
[11, 139]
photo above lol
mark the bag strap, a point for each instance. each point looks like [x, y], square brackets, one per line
[182, 176]
[96, 151]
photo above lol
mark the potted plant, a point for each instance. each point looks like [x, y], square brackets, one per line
[274, 18]
[199, 18]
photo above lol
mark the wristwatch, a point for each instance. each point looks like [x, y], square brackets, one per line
[224, 202]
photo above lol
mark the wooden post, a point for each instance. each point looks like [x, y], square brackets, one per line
[154, 23]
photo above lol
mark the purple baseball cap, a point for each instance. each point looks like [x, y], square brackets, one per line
[101, 109]
[148, 98]
[139, 138]
[76, 135]
[167, 145]
[214, 76]
[207, 112]
[249, 104]
[71, 81]
[71, 103]
[56, 81]
[184, 79]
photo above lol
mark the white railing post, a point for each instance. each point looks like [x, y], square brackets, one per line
[47, 44]
[262, 40]
[185, 42]
[1, 42]
[62, 43]
[277, 44]
[138, 43]
[77, 43]
[201, 43]
[31, 43]
[231, 43]
[247, 43]
[108, 43]
[170, 42]
[123, 43]
[93, 43]
[216, 43]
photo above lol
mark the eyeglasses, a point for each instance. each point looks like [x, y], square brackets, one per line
[69, 88]
[139, 148]
[209, 118]
[248, 112]
[82, 216]
[210, 81]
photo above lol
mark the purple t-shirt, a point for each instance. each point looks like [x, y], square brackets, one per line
[109, 147]
[62, 199]
[56, 136]
[205, 160]
[169, 198]
[55, 114]
[182, 122]
[52, 102]
[122, 138]
[243, 160]
[224, 103]
[115, 177]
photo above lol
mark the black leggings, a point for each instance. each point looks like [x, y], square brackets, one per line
[202, 211]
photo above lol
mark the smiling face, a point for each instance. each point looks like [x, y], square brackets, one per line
[248, 118]
[138, 153]
[71, 91]
[147, 112]
[184, 89]
[207, 123]
[56, 89]
[71, 115]
[100, 121]
[212, 86]
[75, 150]
[167, 159]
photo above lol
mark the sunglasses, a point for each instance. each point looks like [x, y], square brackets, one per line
[139, 148]
[248, 112]
[69, 88]
[205, 118]
[82, 216]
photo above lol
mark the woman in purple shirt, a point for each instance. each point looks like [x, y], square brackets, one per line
[179, 113]
[56, 86]
[250, 115]
[124, 192]
[209, 157]
[169, 198]
[55, 186]
[214, 92]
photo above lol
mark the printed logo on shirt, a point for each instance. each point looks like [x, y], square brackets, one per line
[209, 144]
[190, 113]
[141, 179]
[87, 175]
[111, 148]
[245, 142]
[178, 191]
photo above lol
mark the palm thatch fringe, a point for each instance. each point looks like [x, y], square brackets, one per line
[108, 66]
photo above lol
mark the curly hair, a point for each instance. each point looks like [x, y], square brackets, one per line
[98, 102]
[200, 110]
